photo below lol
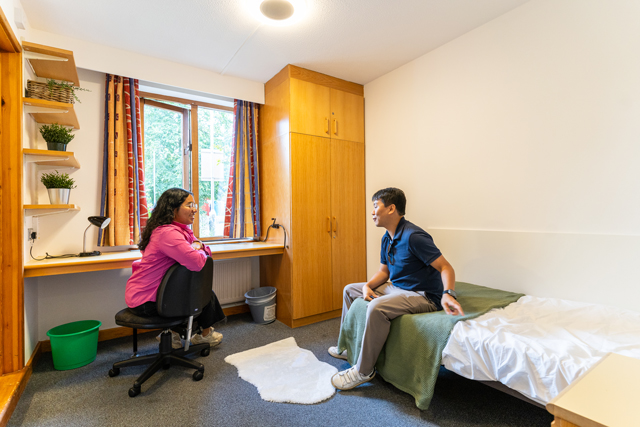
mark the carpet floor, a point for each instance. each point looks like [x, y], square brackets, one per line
[88, 397]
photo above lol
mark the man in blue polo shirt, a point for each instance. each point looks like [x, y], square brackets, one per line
[421, 280]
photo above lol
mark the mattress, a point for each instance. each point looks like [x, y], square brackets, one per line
[538, 346]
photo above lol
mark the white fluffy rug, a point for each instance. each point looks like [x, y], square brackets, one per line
[284, 372]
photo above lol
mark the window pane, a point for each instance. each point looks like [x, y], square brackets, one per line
[215, 134]
[162, 152]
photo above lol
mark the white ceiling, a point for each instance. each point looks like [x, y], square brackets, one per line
[356, 40]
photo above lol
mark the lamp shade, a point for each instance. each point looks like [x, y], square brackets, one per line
[99, 221]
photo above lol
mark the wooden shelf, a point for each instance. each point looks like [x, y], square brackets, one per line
[41, 210]
[65, 159]
[47, 68]
[48, 112]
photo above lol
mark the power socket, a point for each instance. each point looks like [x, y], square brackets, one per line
[32, 235]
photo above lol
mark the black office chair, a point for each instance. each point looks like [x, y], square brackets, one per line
[181, 296]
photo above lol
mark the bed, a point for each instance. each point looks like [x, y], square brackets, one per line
[538, 346]
[534, 346]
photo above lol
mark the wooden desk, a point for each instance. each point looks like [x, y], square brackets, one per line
[117, 260]
[606, 396]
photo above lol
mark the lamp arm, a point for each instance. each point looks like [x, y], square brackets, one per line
[84, 241]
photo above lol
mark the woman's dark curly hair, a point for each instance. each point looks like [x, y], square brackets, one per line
[163, 212]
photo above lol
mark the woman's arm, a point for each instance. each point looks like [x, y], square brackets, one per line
[174, 245]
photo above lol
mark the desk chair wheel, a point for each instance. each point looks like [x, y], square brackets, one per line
[197, 375]
[114, 372]
[166, 366]
[205, 352]
[134, 391]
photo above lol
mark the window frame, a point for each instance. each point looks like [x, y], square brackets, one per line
[190, 145]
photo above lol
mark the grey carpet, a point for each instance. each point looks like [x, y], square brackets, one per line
[88, 397]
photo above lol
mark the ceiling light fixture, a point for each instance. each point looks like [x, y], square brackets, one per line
[279, 12]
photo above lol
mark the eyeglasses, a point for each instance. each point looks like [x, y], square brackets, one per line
[390, 255]
[192, 206]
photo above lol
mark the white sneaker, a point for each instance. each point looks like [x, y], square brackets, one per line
[176, 341]
[334, 352]
[213, 338]
[350, 378]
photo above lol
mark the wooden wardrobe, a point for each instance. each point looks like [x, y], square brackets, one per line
[311, 153]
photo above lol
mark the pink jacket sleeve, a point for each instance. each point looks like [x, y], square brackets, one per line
[175, 246]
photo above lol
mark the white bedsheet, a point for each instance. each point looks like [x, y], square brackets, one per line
[538, 346]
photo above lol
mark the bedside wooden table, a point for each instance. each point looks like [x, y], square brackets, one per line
[607, 395]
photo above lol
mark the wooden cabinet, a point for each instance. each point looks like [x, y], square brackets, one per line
[325, 111]
[312, 181]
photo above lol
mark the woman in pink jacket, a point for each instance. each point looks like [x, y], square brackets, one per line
[165, 240]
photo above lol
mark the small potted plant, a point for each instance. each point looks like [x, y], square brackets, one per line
[59, 187]
[56, 136]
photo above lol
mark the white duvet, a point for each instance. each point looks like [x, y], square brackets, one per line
[538, 346]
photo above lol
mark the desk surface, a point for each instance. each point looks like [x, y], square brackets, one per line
[607, 395]
[117, 260]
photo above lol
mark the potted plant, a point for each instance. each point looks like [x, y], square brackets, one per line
[53, 91]
[54, 85]
[59, 187]
[56, 136]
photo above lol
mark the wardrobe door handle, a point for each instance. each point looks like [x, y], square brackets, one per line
[328, 225]
[326, 125]
[335, 226]
[335, 127]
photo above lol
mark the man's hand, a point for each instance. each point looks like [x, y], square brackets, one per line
[368, 294]
[197, 245]
[451, 306]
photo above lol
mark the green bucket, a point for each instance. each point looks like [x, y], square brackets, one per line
[74, 344]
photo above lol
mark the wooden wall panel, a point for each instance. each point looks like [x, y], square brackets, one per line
[11, 213]
[275, 202]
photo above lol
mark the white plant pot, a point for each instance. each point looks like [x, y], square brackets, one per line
[59, 196]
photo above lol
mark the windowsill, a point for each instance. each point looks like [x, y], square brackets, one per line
[222, 242]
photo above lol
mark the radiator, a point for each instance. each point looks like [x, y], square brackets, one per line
[231, 279]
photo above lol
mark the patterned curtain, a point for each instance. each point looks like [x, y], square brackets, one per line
[123, 197]
[242, 213]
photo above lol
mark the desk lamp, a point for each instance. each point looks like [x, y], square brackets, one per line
[98, 221]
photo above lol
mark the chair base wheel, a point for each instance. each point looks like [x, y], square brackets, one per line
[205, 352]
[134, 391]
[114, 372]
[197, 375]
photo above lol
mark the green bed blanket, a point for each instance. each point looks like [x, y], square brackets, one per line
[411, 357]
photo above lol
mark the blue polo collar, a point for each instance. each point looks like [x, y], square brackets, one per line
[399, 230]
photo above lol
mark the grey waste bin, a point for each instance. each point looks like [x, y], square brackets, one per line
[262, 303]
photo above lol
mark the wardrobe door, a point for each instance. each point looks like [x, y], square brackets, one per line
[347, 116]
[311, 234]
[310, 108]
[348, 206]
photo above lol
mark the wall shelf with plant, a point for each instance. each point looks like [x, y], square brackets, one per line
[59, 186]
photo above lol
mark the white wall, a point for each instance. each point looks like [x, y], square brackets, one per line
[517, 147]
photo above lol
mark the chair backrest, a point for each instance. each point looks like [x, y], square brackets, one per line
[182, 292]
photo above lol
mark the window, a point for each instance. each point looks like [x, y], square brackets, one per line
[173, 129]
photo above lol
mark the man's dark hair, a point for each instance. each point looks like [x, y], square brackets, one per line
[392, 196]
